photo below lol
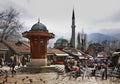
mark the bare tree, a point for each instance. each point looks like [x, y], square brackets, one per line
[9, 23]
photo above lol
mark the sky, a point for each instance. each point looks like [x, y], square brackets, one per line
[93, 16]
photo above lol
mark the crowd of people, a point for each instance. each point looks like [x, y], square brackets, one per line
[75, 65]
[87, 66]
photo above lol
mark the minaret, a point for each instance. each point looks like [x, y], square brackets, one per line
[73, 30]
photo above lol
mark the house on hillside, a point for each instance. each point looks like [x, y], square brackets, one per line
[94, 49]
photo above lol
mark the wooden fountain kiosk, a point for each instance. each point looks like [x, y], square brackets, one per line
[38, 36]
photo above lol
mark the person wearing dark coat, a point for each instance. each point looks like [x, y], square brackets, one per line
[1, 62]
[104, 67]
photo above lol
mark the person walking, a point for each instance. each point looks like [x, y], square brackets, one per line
[1, 62]
[12, 65]
[104, 69]
[13, 68]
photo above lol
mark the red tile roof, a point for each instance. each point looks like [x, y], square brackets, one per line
[18, 49]
[25, 47]
[55, 51]
[2, 46]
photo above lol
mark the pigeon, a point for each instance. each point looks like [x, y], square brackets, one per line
[31, 81]
[23, 79]
[27, 77]
[15, 82]
[41, 79]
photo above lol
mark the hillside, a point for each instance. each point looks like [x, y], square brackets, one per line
[101, 37]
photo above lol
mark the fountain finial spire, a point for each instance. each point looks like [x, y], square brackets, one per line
[38, 20]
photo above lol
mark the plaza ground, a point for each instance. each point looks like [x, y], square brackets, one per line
[50, 78]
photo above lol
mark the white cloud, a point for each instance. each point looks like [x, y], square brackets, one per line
[92, 15]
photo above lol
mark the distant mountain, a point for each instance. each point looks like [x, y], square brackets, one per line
[117, 36]
[95, 37]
